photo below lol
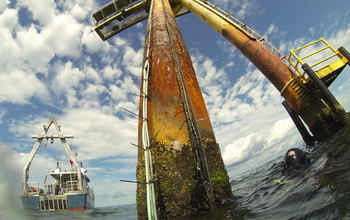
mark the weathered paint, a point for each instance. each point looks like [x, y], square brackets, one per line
[180, 190]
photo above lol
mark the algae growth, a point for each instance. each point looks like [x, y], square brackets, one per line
[179, 189]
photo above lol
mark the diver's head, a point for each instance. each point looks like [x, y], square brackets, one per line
[296, 159]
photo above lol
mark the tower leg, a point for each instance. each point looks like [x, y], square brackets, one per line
[309, 140]
[316, 114]
[328, 97]
[189, 174]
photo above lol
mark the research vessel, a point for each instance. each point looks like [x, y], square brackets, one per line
[67, 190]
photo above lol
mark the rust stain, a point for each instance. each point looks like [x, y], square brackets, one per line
[312, 110]
[165, 104]
[171, 75]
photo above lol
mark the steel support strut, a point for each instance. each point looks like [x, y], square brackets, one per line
[312, 110]
[184, 151]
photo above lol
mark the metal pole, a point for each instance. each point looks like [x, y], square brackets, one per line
[327, 95]
[297, 95]
[180, 133]
[309, 140]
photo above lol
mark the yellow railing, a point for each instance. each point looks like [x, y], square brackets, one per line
[297, 61]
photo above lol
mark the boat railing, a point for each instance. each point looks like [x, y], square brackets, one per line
[33, 188]
[50, 188]
[70, 186]
[90, 191]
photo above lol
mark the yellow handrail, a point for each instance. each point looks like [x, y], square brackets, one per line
[299, 60]
[327, 58]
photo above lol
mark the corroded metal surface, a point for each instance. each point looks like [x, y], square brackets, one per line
[176, 113]
[314, 112]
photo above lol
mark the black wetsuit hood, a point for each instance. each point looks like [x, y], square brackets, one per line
[296, 159]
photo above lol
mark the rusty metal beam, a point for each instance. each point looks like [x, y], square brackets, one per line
[184, 151]
[313, 111]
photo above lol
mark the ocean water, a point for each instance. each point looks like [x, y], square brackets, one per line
[321, 191]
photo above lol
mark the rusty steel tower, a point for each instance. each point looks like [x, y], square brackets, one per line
[186, 158]
[180, 170]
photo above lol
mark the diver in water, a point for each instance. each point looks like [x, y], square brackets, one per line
[295, 160]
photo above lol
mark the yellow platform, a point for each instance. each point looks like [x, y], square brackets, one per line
[325, 61]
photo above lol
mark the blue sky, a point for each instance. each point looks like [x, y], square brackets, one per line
[51, 65]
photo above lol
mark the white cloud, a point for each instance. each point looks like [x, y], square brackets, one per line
[92, 74]
[10, 50]
[119, 41]
[68, 76]
[117, 93]
[42, 10]
[93, 42]
[111, 72]
[63, 35]
[19, 87]
[35, 54]
[255, 149]
[79, 12]
[132, 60]
[279, 131]
[9, 18]
[270, 30]
[96, 134]
[93, 91]
[3, 112]
[240, 149]
[80, 9]
[100, 135]
[340, 38]
[3, 5]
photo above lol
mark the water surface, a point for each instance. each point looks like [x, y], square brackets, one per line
[321, 191]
